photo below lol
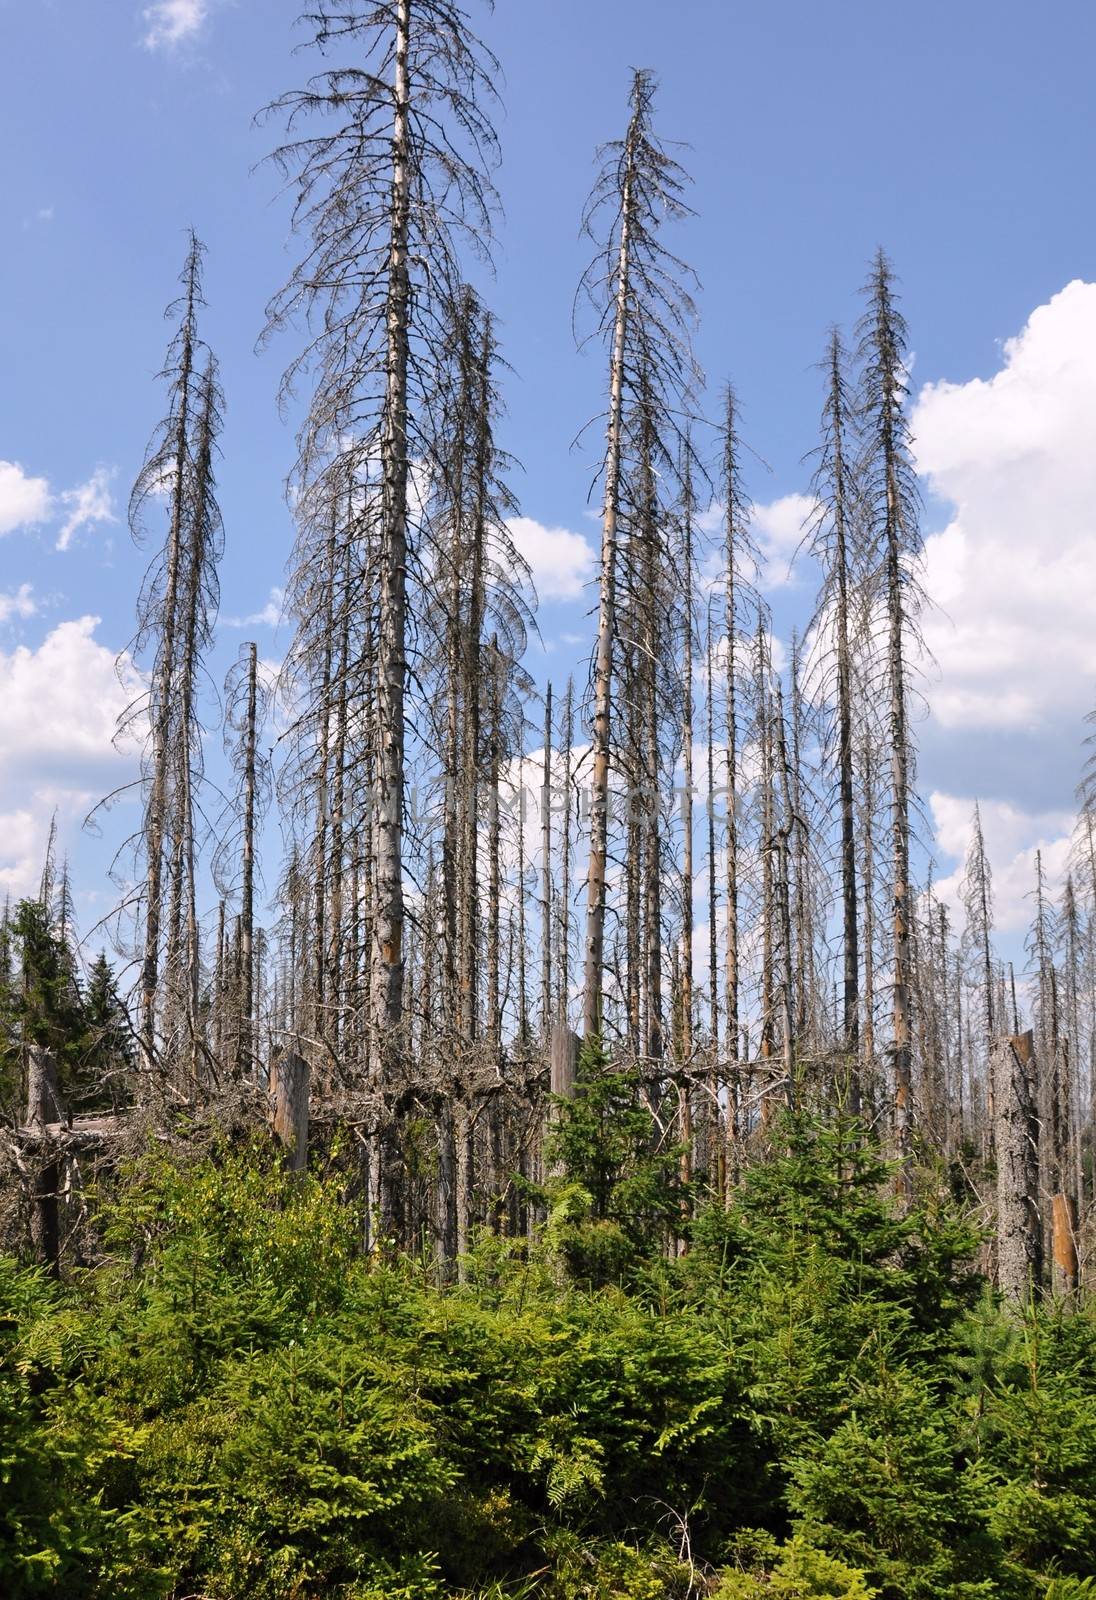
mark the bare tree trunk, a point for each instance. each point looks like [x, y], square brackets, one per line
[246, 1055]
[391, 666]
[289, 1077]
[44, 1107]
[523, 998]
[561, 1068]
[603, 660]
[732, 976]
[546, 913]
[788, 1033]
[494, 876]
[1019, 1227]
[900, 839]
[563, 954]
[688, 869]
[868, 801]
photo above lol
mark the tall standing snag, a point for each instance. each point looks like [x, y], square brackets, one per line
[175, 614]
[834, 544]
[890, 490]
[385, 192]
[634, 283]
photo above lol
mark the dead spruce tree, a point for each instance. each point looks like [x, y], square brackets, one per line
[388, 153]
[247, 697]
[835, 546]
[476, 622]
[889, 490]
[643, 311]
[175, 614]
[976, 891]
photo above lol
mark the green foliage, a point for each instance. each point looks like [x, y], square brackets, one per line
[44, 1002]
[815, 1401]
[793, 1571]
[620, 1196]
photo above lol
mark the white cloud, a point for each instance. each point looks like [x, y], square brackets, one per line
[22, 845]
[1012, 837]
[561, 562]
[172, 22]
[20, 604]
[59, 703]
[778, 527]
[268, 617]
[24, 834]
[24, 501]
[1012, 573]
[88, 503]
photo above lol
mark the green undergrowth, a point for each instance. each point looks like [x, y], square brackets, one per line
[819, 1398]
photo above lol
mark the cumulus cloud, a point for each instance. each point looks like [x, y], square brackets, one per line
[22, 844]
[24, 501]
[59, 703]
[778, 529]
[561, 562]
[89, 503]
[1012, 836]
[268, 617]
[169, 23]
[1012, 572]
[19, 604]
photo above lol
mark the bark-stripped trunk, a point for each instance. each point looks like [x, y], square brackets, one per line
[563, 952]
[546, 911]
[867, 874]
[850, 1014]
[900, 829]
[156, 818]
[713, 931]
[784, 900]
[246, 1054]
[687, 865]
[1019, 1227]
[731, 953]
[603, 660]
[391, 655]
[494, 870]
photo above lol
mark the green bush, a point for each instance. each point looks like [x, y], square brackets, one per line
[818, 1400]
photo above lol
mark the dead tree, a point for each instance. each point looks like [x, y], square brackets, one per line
[833, 542]
[643, 311]
[391, 174]
[247, 699]
[1019, 1226]
[175, 613]
[891, 497]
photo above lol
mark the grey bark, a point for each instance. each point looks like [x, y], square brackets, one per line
[1019, 1227]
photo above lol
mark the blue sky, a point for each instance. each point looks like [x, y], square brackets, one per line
[961, 136]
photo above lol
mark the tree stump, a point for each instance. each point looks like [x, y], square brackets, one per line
[289, 1075]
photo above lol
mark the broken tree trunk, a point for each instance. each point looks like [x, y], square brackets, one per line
[562, 1061]
[44, 1107]
[1063, 1246]
[561, 1072]
[1019, 1232]
[289, 1089]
